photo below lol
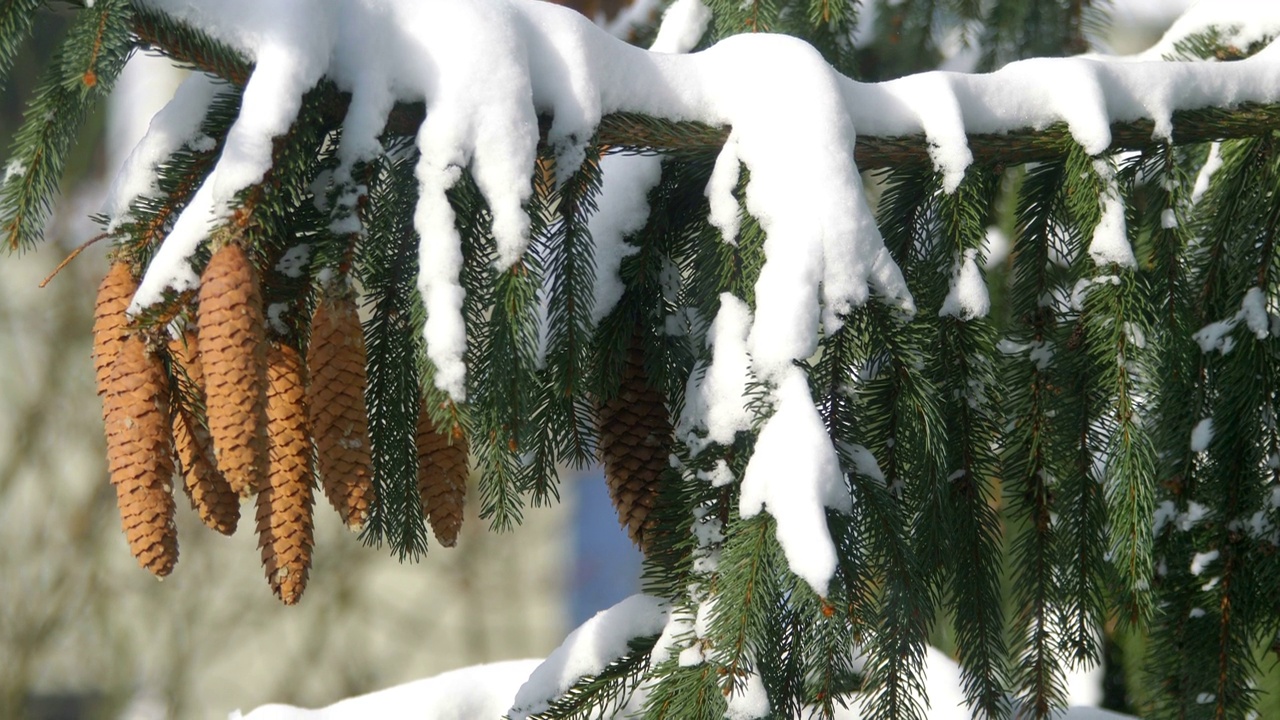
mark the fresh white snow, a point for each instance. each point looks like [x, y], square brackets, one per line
[967, 298]
[621, 209]
[1202, 560]
[1253, 312]
[1240, 22]
[175, 125]
[723, 206]
[716, 402]
[683, 25]
[486, 691]
[623, 204]
[596, 643]
[1202, 435]
[748, 700]
[865, 463]
[795, 474]
[1211, 165]
[481, 691]
[1110, 244]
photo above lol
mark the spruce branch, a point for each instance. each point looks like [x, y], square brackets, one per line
[386, 270]
[898, 402]
[81, 72]
[605, 693]
[746, 594]
[1078, 415]
[16, 19]
[962, 483]
[639, 133]
[157, 31]
[151, 216]
[1031, 450]
[562, 423]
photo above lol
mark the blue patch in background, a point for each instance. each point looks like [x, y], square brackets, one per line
[606, 565]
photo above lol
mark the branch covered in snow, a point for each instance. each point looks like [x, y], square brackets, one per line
[886, 148]
[846, 410]
[500, 78]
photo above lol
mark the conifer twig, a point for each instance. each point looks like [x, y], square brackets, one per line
[74, 254]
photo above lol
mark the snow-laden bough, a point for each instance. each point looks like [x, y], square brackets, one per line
[487, 70]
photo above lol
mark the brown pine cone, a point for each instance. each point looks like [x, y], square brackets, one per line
[233, 353]
[140, 453]
[635, 444]
[442, 479]
[339, 418]
[211, 495]
[110, 325]
[285, 500]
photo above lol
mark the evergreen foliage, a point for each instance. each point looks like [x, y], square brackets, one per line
[1031, 484]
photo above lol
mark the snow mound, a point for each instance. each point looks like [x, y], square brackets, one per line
[588, 650]
[480, 691]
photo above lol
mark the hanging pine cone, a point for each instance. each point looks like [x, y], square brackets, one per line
[635, 444]
[442, 479]
[233, 353]
[285, 500]
[339, 418]
[110, 325]
[211, 495]
[140, 454]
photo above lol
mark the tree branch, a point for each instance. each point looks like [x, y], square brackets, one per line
[643, 134]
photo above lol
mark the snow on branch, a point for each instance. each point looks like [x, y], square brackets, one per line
[480, 84]
[1191, 123]
[588, 650]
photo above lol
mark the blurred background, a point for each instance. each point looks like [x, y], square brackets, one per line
[87, 635]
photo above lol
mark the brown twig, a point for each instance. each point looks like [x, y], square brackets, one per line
[74, 254]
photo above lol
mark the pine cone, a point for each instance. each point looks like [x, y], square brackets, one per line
[233, 353]
[140, 453]
[442, 479]
[110, 325]
[211, 495]
[635, 444]
[339, 418]
[285, 500]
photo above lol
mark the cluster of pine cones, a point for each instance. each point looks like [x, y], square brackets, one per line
[239, 415]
